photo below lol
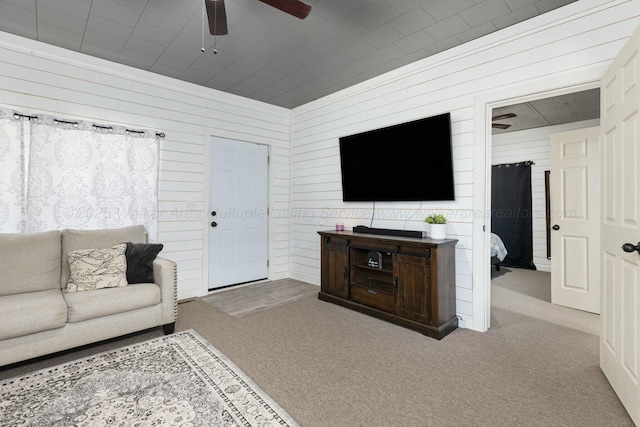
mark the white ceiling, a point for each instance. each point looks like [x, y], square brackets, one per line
[268, 55]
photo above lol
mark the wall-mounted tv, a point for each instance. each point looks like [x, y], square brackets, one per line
[405, 162]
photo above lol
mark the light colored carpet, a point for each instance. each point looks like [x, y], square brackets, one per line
[330, 366]
[529, 292]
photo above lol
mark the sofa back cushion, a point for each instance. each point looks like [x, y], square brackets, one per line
[73, 240]
[29, 262]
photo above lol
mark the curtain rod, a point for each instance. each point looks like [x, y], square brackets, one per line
[508, 165]
[158, 134]
[17, 116]
[24, 116]
[65, 122]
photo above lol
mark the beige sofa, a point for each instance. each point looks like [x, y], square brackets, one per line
[39, 317]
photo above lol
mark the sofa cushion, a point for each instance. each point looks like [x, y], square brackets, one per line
[140, 257]
[97, 268]
[29, 262]
[104, 302]
[94, 239]
[31, 312]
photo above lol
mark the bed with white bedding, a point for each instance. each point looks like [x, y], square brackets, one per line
[498, 250]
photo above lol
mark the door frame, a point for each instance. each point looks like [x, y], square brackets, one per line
[481, 225]
[209, 135]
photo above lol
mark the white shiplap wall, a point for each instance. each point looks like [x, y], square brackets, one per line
[533, 144]
[38, 78]
[584, 35]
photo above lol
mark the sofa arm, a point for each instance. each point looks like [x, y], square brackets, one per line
[165, 275]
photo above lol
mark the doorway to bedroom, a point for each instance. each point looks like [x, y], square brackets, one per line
[521, 151]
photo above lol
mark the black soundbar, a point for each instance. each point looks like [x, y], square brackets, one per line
[386, 231]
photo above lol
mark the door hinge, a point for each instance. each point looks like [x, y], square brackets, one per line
[484, 228]
[427, 254]
[267, 263]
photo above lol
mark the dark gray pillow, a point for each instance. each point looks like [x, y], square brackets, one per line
[140, 257]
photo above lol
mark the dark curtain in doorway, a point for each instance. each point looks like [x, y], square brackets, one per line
[511, 212]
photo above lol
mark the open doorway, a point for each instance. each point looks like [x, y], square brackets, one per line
[521, 134]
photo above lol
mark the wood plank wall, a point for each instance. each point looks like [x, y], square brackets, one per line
[581, 36]
[37, 78]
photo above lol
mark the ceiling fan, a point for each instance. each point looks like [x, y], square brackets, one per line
[502, 117]
[217, 16]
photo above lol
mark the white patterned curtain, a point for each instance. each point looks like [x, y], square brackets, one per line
[90, 177]
[11, 173]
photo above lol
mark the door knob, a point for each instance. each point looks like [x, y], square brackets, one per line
[556, 227]
[214, 224]
[630, 247]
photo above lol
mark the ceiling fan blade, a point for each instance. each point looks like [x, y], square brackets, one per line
[296, 8]
[504, 116]
[500, 126]
[217, 17]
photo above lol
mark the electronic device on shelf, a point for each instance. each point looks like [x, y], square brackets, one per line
[374, 259]
[363, 229]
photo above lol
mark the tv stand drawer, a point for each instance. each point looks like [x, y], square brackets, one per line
[374, 296]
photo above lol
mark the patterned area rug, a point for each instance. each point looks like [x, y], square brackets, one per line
[176, 380]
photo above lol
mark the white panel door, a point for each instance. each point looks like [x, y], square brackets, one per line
[238, 233]
[620, 310]
[575, 208]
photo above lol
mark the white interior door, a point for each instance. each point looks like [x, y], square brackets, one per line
[575, 208]
[238, 233]
[620, 310]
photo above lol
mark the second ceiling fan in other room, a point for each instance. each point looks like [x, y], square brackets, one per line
[217, 15]
[502, 117]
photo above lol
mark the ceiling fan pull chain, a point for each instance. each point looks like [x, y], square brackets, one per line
[203, 8]
[215, 30]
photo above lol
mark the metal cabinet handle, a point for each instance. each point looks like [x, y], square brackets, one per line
[214, 224]
[556, 227]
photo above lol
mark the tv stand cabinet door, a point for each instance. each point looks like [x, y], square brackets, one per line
[334, 275]
[414, 279]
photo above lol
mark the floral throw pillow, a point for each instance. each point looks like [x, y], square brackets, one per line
[97, 268]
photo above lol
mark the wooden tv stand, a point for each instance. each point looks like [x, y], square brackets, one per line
[405, 280]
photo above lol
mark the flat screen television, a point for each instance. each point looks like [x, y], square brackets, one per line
[405, 162]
